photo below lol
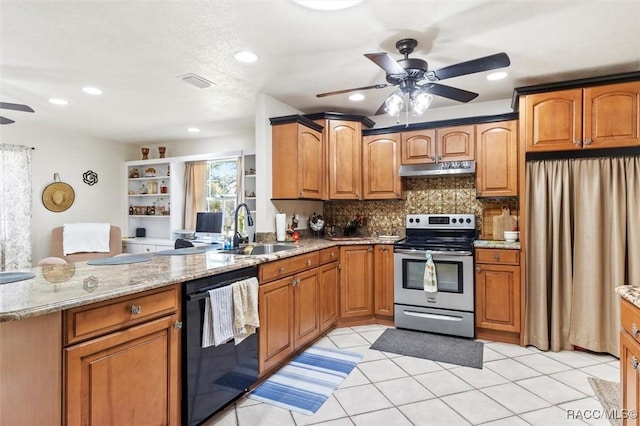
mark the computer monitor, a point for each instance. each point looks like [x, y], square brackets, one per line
[208, 225]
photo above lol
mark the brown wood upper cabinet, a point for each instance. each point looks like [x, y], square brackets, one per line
[297, 161]
[605, 116]
[380, 165]
[497, 159]
[344, 155]
[437, 145]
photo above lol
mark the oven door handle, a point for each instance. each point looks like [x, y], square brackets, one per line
[440, 253]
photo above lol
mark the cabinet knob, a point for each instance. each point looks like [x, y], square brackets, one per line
[439, 157]
[308, 262]
[432, 158]
[177, 325]
[496, 257]
[635, 331]
[332, 254]
[357, 195]
[577, 143]
[383, 248]
[370, 249]
[587, 141]
[634, 362]
[281, 270]
[135, 310]
[478, 269]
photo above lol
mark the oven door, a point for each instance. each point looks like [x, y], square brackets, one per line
[454, 272]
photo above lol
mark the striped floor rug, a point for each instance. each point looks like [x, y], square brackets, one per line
[305, 383]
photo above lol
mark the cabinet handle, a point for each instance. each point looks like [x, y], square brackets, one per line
[135, 310]
[496, 257]
[577, 143]
[634, 362]
[308, 262]
[301, 193]
[439, 157]
[478, 269]
[357, 195]
[587, 141]
[281, 270]
[383, 248]
[332, 254]
[295, 282]
[635, 331]
[177, 325]
[370, 249]
[432, 158]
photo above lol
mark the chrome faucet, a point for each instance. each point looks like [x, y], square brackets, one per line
[237, 238]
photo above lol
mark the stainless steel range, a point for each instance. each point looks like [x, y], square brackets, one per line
[450, 310]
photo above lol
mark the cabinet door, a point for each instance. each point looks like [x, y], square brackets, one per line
[383, 279]
[418, 147]
[128, 377]
[498, 297]
[497, 156]
[612, 115]
[356, 284]
[306, 322]
[345, 156]
[275, 335]
[310, 175]
[552, 121]
[132, 248]
[329, 295]
[630, 381]
[456, 143]
[380, 165]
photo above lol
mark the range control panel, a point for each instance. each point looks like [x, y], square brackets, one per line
[441, 221]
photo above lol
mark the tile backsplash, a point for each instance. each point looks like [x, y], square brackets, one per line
[431, 195]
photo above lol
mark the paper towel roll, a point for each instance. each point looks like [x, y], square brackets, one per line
[281, 225]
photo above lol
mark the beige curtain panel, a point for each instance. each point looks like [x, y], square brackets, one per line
[583, 240]
[195, 180]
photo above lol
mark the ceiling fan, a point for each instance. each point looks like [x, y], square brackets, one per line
[417, 82]
[13, 107]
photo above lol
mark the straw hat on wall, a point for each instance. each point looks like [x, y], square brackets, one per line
[58, 196]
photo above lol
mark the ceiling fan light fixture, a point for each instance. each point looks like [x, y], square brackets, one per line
[394, 103]
[356, 97]
[420, 102]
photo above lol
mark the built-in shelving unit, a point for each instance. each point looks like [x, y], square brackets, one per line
[249, 188]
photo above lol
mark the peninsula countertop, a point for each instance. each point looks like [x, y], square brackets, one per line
[631, 293]
[76, 284]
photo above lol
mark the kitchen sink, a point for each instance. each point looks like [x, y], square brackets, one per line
[258, 249]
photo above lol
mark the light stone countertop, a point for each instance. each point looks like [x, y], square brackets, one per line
[77, 284]
[497, 244]
[630, 292]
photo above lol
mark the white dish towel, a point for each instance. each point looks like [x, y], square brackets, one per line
[85, 237]
[217, 327]
[430, 280]
[245, 308]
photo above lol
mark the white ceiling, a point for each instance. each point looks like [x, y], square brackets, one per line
[135, 50]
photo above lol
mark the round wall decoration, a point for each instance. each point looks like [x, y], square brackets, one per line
[58, 196]
[90, 177]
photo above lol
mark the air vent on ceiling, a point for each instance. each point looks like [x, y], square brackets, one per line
[196, 80]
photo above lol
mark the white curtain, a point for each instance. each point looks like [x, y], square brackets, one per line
[15, 207]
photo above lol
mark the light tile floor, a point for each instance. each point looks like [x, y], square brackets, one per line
[517, 386]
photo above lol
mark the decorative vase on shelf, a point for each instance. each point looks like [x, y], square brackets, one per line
[162, 150]
[145, 153]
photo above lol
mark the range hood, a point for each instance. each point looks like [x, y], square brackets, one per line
[447, 168]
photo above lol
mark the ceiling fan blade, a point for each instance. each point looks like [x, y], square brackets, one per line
[387, 63]
[16, 107]
[491, 62]
[5, 120]
[454, 93]
[339, 92]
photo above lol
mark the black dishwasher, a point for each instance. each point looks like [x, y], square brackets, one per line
[214, 376]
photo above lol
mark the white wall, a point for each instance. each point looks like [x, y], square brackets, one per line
[70, 155]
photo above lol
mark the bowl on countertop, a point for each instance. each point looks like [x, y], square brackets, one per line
[511, 236]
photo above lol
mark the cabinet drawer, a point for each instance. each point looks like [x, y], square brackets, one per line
[499, 256]
[630, 315]
[93, 320]
[329, 254]
[284, 267]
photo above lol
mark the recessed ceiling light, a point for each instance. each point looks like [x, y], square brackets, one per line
[327, 4]
[92, 90]
[246, 56]
[496, 75]
[356, 97]
[193, 129]
[58, 101]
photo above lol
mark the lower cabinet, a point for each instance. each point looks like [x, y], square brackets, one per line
[329, 295]
[130, 374]
[498, 295]
[630, 360]
[383, 279]
[356, 278]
